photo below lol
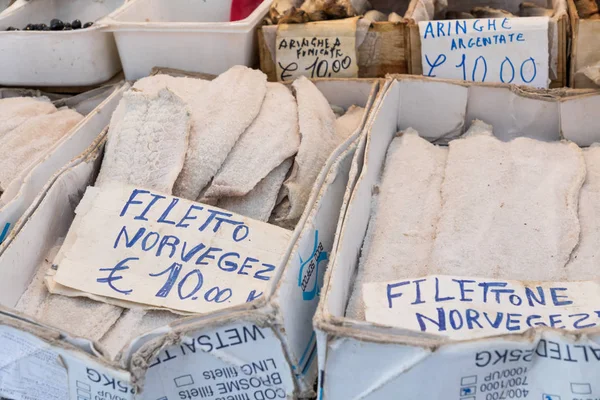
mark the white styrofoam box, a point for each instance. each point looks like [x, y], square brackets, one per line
[269, 343]
[80, 57]
[539, 363]
[190, 35]
[97, 106]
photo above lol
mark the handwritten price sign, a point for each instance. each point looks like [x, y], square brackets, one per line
[137, 246]
[317, 50]
[503, 50]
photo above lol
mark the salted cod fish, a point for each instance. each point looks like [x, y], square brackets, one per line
[528, 9]
[348, 123]
[131, 324]
[36, 293]
[583, 264]
[228, 106]
[79, 316]
[16, 110]
[404, 214]
[147, 143]
[509, 209]
[27, 143]
[318, 140]
[272, 138]
[260, 201]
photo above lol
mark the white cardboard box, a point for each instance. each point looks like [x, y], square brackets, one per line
[360, 360]
[97, 106]
[35, 359]
[265, 348]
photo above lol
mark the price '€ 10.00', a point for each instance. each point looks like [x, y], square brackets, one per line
[134, 245]
[499, 50]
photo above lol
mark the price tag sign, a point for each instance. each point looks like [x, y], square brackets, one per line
[317, 50]
[470, 308]
[139, 246]
[501, 50]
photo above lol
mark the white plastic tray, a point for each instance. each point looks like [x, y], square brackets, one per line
[189, 35]
[66, 58]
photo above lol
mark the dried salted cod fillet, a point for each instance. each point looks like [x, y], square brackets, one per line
[348, 123]
[78, 315]
[229, 105]
[509, 210]
[131, 324]
[584, 264]
[26, 144]
[281, 210]
[186, 88]
[403, 217]
[16, 110]
[272, 138]
[35, 295]
[260, 201]
[318, 140]
[148, 142]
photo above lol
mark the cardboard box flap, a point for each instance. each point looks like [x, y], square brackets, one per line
[512, 114]
[58, 366]
[19, 259]
[418, 99]
[578, 121]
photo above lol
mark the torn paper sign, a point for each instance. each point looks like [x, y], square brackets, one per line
[507, 50]
[160, 251]
[317, 50]
[470, 308]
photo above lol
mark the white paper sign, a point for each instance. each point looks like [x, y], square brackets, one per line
[325, 49]
[468, 308]
[507, 50]
[143, 247]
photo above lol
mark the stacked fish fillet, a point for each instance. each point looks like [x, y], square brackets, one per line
[28, 127]
[237, 142]
[521, 210]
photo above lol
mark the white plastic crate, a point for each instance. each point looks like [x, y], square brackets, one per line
[57, 58]
[183, 34]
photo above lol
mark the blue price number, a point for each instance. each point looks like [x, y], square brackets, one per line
[477, 70]
[190, 285]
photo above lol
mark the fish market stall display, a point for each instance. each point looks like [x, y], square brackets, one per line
[469, 240]
[208, 35]
[334, 38]
[208, 218]
[585, 50]
[519, 42]
[65, 46]
[38, 137]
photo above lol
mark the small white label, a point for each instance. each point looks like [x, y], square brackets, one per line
[507, 50]
[143, 247]
[469, 308]
[317, 50]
